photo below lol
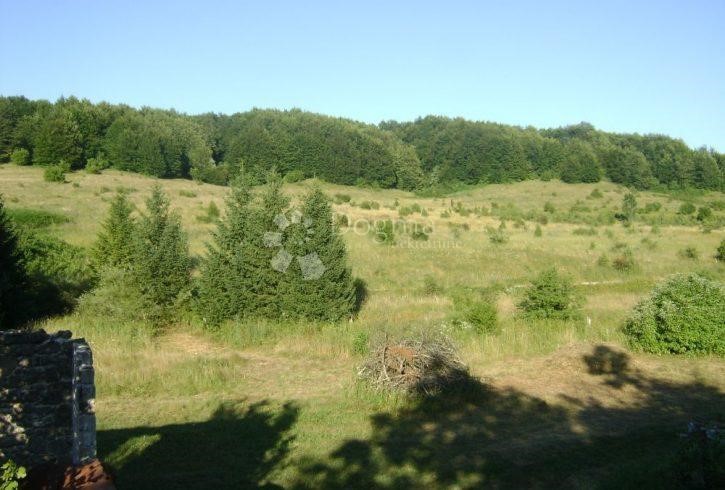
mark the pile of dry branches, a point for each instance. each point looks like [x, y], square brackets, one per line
[421, 366]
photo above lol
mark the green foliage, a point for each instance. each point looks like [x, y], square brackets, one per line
[431, 286]
[549, 207]
[36, 219]
[686, 208]
[361, 343]
[684, 314]
[720, 253]
[369, 205]
[292, 264]
[161, 265]
[20, 156]
[550, 295]
[476, 312]
[596, 194]
[97, 164]
[116, 243]
[187, 193]
[629, 207]
[436, 154]
[384, 232]
[14, 279]
[225, 283]
[318, 285]
[60, 272]
[211, 215]
[689, 253]
[342, 198]
[537, 231]
[10, 475]
[704, 214]
[497, 236]
[294, 176]
[55, 173]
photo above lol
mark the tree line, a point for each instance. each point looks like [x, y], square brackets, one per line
[408, 155]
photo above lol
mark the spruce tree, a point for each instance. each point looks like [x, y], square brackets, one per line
[318, 284]
[14, 280]
[115, 244]
[225, 283]
[267, 256]
[161, 268]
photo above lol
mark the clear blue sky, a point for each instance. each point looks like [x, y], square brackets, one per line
[649, 66]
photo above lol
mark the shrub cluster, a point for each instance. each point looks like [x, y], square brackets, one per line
[684, 314]
[550, 295]
[267, 260]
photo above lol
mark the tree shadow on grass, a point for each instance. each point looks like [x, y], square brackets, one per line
[235, 448]
[474, 436]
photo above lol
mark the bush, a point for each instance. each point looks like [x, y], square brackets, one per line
[384, 232]
[684, 314]
[720, 254]
[703, 214]
[419, 234]
[596, 194]
[61, 268]
[21, 156]
[550, 295]
[370, 205]
[185, 193]
[36, 219]
[342, 198]
[537, 231]
[212, 214]
[549, 207]
[686, 208]
[55, 173]
[689, 253]
[431, 286]
[342, 221]
[97, 164]
[294, 176]
[497, 236]
[481, 315]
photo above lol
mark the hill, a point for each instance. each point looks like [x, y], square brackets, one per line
[431, 152]
[557, 400]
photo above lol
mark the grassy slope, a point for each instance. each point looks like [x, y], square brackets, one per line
[259, 402]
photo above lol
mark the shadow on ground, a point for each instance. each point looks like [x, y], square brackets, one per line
[475, 436]
[235, 448]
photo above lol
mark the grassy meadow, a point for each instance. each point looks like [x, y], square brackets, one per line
[277, 404]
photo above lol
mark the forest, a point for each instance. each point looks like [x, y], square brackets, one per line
[430, 152]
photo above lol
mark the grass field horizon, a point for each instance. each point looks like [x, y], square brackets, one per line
[278, 403]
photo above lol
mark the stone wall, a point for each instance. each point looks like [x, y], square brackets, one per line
[46, 398]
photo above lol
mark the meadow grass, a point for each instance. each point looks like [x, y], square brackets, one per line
[271, 400]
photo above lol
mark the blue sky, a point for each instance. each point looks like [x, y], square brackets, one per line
[629, 66]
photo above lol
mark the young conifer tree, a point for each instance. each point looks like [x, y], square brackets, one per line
[115, 244]
[14, 280]
[318, 284]
[225, 283]
[161, 267]
[267, 258]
